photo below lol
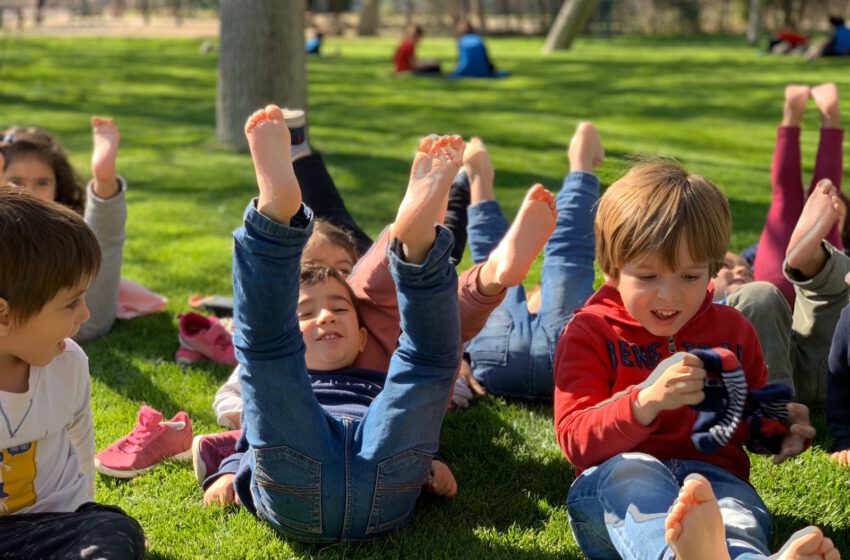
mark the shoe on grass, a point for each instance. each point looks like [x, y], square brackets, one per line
[152, 440]
[207, 336]
[208, 452]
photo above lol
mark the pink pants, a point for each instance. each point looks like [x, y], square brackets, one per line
[786, 177]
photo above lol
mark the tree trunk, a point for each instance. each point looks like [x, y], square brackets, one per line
[477, 7]
[261, 61]
[755, 21]
[572, 17]
[369, 18]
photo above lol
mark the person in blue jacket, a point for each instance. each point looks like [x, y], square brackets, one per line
[473, 61]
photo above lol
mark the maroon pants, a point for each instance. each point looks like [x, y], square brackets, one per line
[787, 199]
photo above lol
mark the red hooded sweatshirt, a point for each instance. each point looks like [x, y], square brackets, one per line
[604, 353]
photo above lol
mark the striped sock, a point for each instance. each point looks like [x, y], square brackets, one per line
[725, 394]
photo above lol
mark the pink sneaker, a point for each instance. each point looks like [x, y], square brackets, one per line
[186, 357]
[210, 450]
[207, 336]
[151, 441]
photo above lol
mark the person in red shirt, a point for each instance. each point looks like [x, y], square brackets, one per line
[405, 55]
[625, 380]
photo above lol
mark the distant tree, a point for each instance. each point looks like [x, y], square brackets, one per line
[571, 19]
[755, 21]
[477, 8]
[369, 17]
[261, 61]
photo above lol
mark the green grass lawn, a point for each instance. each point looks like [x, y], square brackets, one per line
[711, 103]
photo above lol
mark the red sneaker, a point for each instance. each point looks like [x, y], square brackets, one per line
[210, 450]
[207, 336]
[151, 441]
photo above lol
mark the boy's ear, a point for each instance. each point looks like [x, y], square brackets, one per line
[364, 334]
[5, 317]
[613, 282]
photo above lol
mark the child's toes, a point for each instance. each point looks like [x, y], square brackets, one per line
[274, 113]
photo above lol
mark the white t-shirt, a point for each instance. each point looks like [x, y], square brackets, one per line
[47, 438]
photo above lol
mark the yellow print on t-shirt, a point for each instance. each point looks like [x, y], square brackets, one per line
[17, 478]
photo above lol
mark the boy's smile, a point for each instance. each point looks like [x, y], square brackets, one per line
[663, 300]
[328, 321]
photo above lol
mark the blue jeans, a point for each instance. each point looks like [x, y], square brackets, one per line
[618, 509]
[513, 354]
[313, 476]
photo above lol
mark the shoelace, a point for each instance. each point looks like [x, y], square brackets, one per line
[137, 438]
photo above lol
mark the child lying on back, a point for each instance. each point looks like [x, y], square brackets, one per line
[331, 452]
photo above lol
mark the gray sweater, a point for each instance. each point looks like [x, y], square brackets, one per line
[107, 218]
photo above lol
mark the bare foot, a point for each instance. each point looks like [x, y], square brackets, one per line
[509, 262]
[694, 526]
[268, 138]
[842, 457]
[826, 99]
[805, 544]
[106, 139]
[585, 152]
[796, 98]
[479, 167]
[437, 161]
[819, 215]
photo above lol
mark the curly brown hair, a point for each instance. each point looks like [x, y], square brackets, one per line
[30, 141]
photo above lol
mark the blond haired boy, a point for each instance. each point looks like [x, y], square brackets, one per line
[622, 417]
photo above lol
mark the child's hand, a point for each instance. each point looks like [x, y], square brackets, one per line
[221, 492]
[800, 432]
[681, 384]
[106, 139]
[441, 481]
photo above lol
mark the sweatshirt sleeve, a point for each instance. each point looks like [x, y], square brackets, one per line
[475, 307]
[375, 290]
[228, 400]
[81, 430]
[107, 218]
[591, 424]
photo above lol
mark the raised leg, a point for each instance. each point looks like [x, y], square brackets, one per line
[786, 194]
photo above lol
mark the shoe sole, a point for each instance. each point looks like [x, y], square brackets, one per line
[104, 470]
[198, 464]
[189, 361]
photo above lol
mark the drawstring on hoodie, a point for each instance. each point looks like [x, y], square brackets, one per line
[671, 344]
